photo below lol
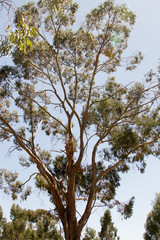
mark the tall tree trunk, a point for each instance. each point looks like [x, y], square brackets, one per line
[71, 226]
[71, 207]
[72, 233]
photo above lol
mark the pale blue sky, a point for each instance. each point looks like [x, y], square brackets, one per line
[146, 38]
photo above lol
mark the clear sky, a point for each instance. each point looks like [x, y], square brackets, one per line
[146, 38]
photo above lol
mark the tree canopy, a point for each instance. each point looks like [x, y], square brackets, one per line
[29, 224]
[152, 225]
[62, 105]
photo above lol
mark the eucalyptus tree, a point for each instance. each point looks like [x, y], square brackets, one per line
[62, 105]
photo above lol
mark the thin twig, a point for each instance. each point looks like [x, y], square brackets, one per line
[30, 178]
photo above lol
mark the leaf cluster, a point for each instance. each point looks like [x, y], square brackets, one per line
[11, 185]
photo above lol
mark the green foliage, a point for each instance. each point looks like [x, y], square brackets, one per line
[10, 185]
[152, 225]
[108, 231]
[126, 209]
[21, 37]
[90, 234]
[30, 224]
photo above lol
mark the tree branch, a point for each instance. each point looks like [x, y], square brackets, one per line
[88, 208]
[30, 178]
[118, 163]
[42, 168]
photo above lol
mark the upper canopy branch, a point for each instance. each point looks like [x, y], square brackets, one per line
[122, 160]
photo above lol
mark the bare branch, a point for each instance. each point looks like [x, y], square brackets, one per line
[30, 178]
[38, 128]
[7, 4]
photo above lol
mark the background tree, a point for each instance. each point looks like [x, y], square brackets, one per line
[152, 225]
[29, 224]
[62, 92]
[108, 231]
